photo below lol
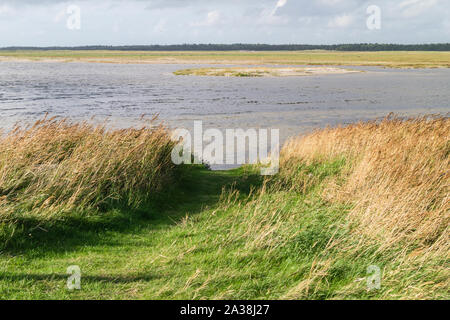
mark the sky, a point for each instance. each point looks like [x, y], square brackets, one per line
[141, 22]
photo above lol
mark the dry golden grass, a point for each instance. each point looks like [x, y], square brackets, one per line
[397, 173]
[57, 164]
[396, 177]
[390, 59]
[346, 198]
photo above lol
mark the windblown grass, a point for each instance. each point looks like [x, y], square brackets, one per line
[55, 165]
[395, 176]
[396, 173]
[346, 198]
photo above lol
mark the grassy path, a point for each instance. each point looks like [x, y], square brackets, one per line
[124, 254]
[196, 246]
[311, 232]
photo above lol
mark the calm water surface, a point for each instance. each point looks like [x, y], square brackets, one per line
[123, 93]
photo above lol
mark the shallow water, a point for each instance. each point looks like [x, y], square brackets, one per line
[123, 93]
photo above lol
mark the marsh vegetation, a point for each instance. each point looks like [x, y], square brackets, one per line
[390, 59]
[262, 72]
[110, 201]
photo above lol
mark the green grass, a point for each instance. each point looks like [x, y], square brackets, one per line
[37, 253]
[397, 59]
[188, 249]
[236, 235]
[198, 245]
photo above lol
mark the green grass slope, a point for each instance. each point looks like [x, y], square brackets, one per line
[341, 203]
[196, 246]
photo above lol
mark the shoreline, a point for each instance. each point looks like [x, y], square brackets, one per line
[386, 59]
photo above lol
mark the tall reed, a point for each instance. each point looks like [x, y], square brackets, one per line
[57, 164]
[394, 177]
[397, 174]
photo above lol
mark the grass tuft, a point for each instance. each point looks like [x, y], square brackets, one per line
[56, 165]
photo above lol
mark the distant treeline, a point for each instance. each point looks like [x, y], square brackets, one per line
[256, 47]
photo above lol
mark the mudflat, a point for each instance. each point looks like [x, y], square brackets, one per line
[262, 72]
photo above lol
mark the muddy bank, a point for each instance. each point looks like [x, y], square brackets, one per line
[263, 71]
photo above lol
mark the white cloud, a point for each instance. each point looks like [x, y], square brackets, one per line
[195, 21]
[341, 21]
[413, 8]
[60, 15]
[446, 25]
[267, 17]
[280, 4]
[212, 19]
[329, 2]
[160, 26]
[5, 9]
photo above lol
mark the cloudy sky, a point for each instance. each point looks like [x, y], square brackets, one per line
[125, 22]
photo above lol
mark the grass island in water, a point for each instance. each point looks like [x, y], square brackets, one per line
[262, 72]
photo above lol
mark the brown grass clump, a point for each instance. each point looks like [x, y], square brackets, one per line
[394, 176]
[56, 164]
[397, 174]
